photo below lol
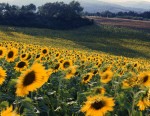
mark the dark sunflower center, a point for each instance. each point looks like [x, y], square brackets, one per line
[66, 64]
[98, 90]
[48, 58]
[44, 51]
[95, 72]
[105, 77]
[98, 105]
[1, 52]
[29, 78]
[10, 54]
[105, 70]
[37, 56]
[145, 79]
[57, 66]
[23, 55]
[61, 61]
[70, 71]
[57, 55]
[21, 64]
[135, 65]
[29, 57]
[76, 73]
[86, 77]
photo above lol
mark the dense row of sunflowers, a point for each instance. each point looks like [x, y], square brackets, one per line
[46, 81]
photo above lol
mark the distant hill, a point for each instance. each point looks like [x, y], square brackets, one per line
[93, 6]
[143, 4]
[99, 6]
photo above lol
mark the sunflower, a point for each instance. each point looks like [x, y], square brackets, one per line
[57, 55]
[2, 75]
[56, 67]
[70, 72]
[11, 54]
[2, 52]
[66, 64]
[98, 105]
[23, 56]
[32, 79]
[37, 57]
[29, 57]
[125, 84]
[144, 79]
[49, 72]
[143, 104]
[106, 76]
[44, 51]
[21, 65]
[61, 60]
[87, 77]
[94, 71]
[9, 112]
[99, 90]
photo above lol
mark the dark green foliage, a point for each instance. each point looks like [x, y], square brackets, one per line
[56, 15]
[128, 15]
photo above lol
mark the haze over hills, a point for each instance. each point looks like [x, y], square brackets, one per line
[100, 6]
[135, 4]
[96, 5]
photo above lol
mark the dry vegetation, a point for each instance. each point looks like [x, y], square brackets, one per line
[139, 24]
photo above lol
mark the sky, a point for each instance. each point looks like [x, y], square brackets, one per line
[123, 0]
[39, 2]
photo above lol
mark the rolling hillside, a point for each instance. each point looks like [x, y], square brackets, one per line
[108, 39]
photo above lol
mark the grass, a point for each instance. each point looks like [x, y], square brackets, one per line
[113, 40]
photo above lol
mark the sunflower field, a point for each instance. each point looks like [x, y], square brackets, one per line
[38, 80]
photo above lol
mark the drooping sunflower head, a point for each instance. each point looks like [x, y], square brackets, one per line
[29, 57]
[9, 112]
[98, 105]
[105, 69]
[106, 77]
[2, 75]
[126, 84]
[70, 72]
[2, 52]
[86, 78]
[11, 54]
[99, 90]
[143, 103]
[144, 79]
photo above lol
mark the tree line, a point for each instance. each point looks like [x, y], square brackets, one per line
[57, 15]
[129, 15]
